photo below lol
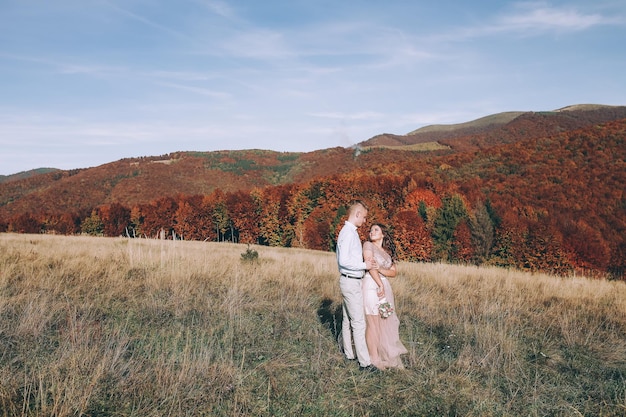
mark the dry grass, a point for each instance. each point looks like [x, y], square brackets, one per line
[417, 147]
[117, 327]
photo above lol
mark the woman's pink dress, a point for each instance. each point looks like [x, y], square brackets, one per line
[385, 330]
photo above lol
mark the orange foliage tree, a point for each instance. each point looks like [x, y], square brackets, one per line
[158, 217]
[115, 219]
[587, 250]
[413, 241]
[193, 219]
[24, 223]
[245, 214]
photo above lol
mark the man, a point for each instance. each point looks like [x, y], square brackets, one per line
[352, 268]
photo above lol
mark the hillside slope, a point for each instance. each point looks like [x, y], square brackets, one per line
[507, 127]
[26, 174]
[141, 180]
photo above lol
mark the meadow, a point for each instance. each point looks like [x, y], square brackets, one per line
[93, 326]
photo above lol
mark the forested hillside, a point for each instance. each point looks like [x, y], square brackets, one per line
[547, 196]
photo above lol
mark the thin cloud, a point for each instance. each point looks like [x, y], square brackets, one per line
[530, 19]
[533, 17]
[260, 44]
[347, 116]
[146, 21]
[68, 67]
[220, 8]
[97, 70]
[197, 90]
[180, 75]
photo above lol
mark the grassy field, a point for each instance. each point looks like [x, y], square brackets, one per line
[418, 147]
[118, 327]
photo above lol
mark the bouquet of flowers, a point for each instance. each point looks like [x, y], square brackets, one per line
[385, 309]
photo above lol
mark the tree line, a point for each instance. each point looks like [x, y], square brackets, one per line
[428, 224]
[551, 203]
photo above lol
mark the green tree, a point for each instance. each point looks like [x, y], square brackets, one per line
[92, 225]
[220, 215]
[483, 233]
[422, 210]
[448, 217]
[336, 226]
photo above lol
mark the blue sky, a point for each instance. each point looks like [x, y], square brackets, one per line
[86, 82]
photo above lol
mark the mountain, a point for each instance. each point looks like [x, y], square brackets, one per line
[26, 174]
[141, 180]
[532, 190]
[507, 127]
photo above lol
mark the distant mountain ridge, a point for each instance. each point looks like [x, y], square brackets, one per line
[504, 127]
[26, 174]
[141, 180]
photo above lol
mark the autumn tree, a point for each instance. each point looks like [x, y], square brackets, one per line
[159, 216]
[586, 246]
[24, 223]
[245, 214]
[462, 249]
[304, 201]
[317, 233]
[115, 219]
[64, 223]
[216, 205]
[192, 219]
[274, 221]
[341, 215]
[413, 241]
[420, 196]
[540, 249]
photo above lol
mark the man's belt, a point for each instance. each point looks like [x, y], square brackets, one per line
[350, 276]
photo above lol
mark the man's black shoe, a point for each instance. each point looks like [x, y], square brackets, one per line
[369, 368]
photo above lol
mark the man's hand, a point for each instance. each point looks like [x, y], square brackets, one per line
[371, 264]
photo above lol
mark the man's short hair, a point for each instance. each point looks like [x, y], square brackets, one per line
[354, 205]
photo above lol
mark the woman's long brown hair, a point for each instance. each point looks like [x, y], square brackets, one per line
[388, 243]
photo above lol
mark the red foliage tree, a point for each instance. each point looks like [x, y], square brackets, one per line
[462, 247]
[585, 246]
[538, 248]
[413, 199]
[245, 214]
[317, 233]
[413, 241]
[63, 223]
[158, 217]
[193, 219]
[24, 223]
[115, 219]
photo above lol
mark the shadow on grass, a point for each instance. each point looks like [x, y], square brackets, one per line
[330, 316]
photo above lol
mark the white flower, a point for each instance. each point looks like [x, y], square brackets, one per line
[385, 309]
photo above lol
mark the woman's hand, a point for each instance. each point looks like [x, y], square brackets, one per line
[380, 291]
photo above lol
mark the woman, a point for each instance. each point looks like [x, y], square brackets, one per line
[382, 334]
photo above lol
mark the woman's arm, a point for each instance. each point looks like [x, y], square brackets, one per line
[389, 273]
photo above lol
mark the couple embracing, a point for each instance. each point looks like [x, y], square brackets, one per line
[368, 302]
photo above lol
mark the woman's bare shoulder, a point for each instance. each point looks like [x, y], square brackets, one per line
[367, 245]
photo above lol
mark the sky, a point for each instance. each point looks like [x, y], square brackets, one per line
[87, 82]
